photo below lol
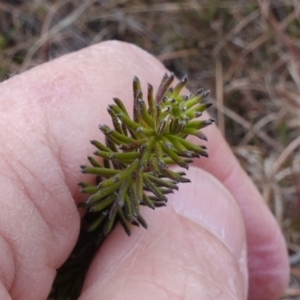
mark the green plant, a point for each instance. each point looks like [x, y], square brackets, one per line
[135, 168]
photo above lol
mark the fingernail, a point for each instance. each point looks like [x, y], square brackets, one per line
[207, 202]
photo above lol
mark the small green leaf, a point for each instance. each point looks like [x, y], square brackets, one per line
[179, 86]
[102, 204]
[121, 175]
[103, 193]
[100, 171]
[124, 222]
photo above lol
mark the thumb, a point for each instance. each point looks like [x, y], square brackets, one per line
[194, 248]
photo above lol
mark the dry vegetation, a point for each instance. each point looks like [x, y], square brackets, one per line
[247, 52]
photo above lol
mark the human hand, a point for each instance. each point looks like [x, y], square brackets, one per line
[193, 249]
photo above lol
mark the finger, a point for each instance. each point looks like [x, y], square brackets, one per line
[267, 255]
[197, 250]
[39, 221]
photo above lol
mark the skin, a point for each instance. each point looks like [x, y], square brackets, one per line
[216, 239]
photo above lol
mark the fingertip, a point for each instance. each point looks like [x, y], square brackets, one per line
[206, 201]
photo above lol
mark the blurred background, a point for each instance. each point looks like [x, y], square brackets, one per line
[246, 51]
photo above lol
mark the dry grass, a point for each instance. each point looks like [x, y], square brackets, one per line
[246, 52]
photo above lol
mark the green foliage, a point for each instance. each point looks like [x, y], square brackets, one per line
[137, 153]
[134, 169]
